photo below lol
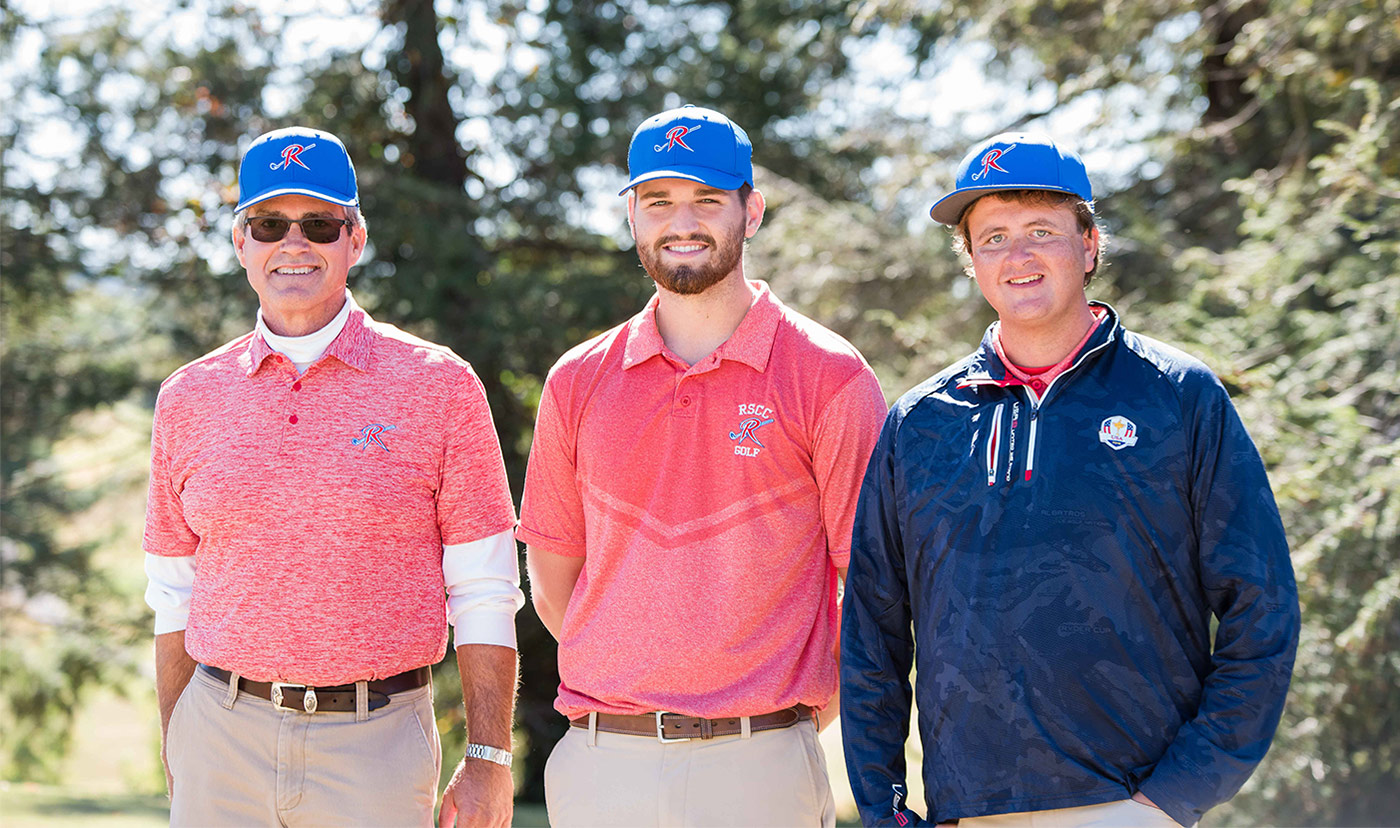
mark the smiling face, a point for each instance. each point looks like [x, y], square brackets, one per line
[690, 236]
[300, 285]
[1029, 261]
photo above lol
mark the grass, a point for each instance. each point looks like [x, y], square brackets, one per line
[27, 805]
[39, 806]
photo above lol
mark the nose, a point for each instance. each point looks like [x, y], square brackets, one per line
[683, 219]
[295, 237]
[1020, 250]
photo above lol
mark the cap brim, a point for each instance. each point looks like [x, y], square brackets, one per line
[948, 209]
[306, 191]
[704, 175]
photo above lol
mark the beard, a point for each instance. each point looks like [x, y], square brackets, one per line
[688, 280]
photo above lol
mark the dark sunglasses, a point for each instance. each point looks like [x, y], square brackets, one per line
[318, 230]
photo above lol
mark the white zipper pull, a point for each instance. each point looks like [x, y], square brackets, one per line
[994, 445]
[1030, 445]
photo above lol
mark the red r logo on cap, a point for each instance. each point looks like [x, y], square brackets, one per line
[989, 162]
[291, 154]
[674, 136]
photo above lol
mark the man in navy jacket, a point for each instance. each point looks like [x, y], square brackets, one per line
[1055, 519]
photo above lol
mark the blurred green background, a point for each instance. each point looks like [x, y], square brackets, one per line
[1244, 154]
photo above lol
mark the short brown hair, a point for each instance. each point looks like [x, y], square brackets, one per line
[1083, 215]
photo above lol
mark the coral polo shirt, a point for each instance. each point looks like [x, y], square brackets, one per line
[712, 504]
[317, 505]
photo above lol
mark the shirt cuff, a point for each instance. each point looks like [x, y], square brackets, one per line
[483, 590]
[170, 583]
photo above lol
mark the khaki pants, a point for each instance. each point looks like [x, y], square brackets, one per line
[773, 778]
[238, 761]
[1125, 813]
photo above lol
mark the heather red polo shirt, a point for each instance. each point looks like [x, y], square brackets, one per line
[712, 505]
[316, 506]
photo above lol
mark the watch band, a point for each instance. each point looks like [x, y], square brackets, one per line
[490, 754]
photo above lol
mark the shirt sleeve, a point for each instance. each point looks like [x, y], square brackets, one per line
[551, 509]
[1248, 579]
[847, 431]
[166, 533]
[169, 585]
[877, 646]
[483, 590]
[473, 500]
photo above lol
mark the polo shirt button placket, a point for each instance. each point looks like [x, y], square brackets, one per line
[296, 385]
[683, 399]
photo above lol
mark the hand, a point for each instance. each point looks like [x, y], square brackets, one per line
[1141, 797]
[481, 793]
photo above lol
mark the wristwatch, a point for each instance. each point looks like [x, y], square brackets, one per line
[490, 754]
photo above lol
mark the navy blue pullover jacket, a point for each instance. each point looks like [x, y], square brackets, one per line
[1058, 561]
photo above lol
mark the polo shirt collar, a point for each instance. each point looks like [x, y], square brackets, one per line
[751, 343]
[352, 346]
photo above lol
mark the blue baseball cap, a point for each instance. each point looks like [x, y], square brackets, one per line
[1013, 161]
[297, 161]
[693, 143]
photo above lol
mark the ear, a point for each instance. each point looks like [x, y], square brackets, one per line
[239, 237]
[753, 213]
[358, 238]
[1091, 248]
[632, 212]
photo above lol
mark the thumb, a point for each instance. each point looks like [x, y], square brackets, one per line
[447, 815]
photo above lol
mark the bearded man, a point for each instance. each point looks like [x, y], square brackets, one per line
[688, 509]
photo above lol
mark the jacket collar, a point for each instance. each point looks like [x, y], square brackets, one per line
[986, 368]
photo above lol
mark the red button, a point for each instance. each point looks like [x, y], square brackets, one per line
[1038, 385]
[685, 400]
[296, 386]
[292, 419]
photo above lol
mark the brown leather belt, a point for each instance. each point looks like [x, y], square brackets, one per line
[336, 698]
[673, 727]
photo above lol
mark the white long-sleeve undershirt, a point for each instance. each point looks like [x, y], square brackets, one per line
[482, 579]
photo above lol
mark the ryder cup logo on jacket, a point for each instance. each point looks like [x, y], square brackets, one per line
[291, 154]
[674, 139]
[1118, 432]
[989, 162]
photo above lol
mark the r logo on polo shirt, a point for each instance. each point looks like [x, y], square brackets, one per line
[373, 434]
[755, 416]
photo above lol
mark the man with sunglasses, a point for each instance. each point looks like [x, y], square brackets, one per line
[327, 493]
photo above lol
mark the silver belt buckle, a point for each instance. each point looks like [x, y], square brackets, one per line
[661, 731]
[308, 699]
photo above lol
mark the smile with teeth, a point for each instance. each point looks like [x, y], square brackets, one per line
[1026, 280]
[684, 248]
[294, 270]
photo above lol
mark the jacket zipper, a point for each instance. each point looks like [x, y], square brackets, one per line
[1030, 444]
[994, 446]
[1035, 403]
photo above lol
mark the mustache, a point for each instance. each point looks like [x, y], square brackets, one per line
[695, 237]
